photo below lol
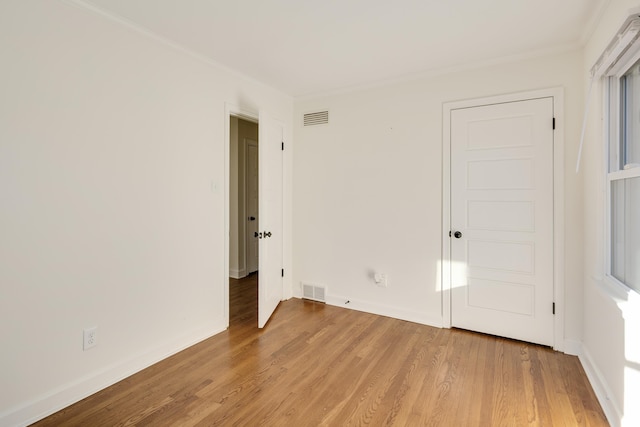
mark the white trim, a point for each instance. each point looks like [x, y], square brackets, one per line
[445, 264]
[623, 174]
[247, 237]
[558, 220]
[617, 52]
[629, 58]
[557, 94]
[384, 310]
[229, 110]
[237, 273]
[600, 388]
[287, 219]
[611, 136]
[606, 135]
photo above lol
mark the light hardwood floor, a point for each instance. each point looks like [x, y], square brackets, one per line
[322, 365]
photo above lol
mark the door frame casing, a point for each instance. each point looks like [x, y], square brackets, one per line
[557, 94]
[247, 239]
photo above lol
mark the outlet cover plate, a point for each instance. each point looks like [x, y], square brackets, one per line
[90, 338]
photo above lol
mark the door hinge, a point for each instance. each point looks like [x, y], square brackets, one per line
[283, 146]
[283, 272]
[553, 308]
[553, 123]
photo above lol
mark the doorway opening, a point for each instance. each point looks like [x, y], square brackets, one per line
[243, 220]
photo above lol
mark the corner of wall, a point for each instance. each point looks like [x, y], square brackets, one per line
[572, 347]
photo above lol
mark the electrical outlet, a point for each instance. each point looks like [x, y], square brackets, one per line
[380, 279]
[383, 282]
[90, 338]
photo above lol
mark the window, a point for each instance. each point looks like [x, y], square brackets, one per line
[623, 174]
[630, 118]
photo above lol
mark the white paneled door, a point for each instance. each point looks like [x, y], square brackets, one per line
[270, 227]
[502, 219]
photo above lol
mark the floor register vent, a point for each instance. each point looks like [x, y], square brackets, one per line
[313, 292]
[316, 118]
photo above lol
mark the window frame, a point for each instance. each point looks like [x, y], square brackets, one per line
[613, 167]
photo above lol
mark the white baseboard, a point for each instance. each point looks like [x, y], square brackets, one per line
[68, 394]
[237, 274]
[601, 389]
[385, 310]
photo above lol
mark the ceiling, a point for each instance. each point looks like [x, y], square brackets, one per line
[307, 47]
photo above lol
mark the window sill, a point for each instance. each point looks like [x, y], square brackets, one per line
[627, 299]
[614, 289]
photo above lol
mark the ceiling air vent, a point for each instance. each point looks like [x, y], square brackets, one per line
[316, 118]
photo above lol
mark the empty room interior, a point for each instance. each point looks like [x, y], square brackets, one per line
[320, 213]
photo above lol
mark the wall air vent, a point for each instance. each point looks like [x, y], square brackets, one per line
[313, 292]
[316, 118]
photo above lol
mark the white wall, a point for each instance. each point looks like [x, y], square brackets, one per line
[368, 187]
[112, 170]
[112, 173]
[611, 353]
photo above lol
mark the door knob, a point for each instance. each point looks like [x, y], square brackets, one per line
[267, 234]
[457, 234]
[252, 218]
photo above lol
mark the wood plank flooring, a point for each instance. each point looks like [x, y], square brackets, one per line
[322, 365]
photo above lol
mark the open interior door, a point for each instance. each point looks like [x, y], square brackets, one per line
[270, 221]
